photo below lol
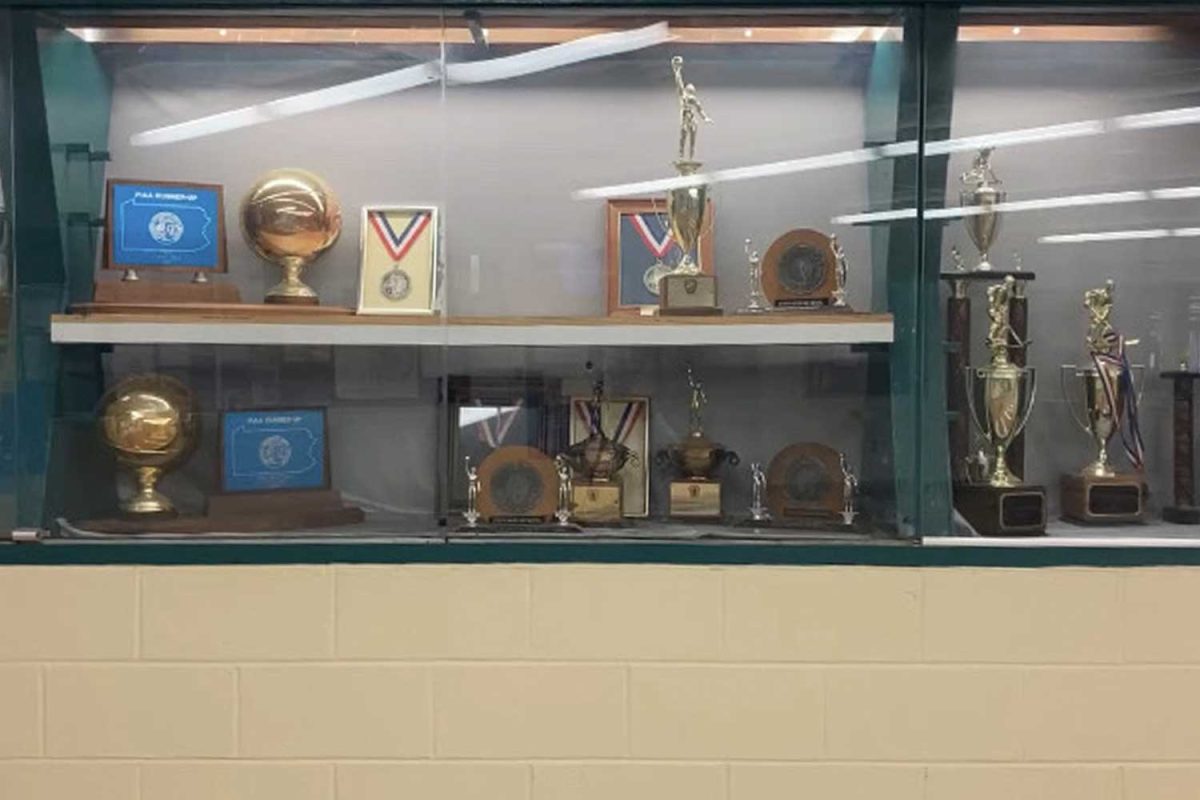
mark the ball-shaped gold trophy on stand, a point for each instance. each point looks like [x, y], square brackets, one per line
[149, 421]
[290, 217]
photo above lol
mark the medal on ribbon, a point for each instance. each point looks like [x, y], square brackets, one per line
[656, 236]
[396, 283]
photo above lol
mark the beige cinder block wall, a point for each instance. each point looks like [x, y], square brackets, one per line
[598, 683]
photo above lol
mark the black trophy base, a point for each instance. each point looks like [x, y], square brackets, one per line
[1002, 511]
[1088, 500]
[1182, 515]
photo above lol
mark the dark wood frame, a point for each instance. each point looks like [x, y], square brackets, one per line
[327, 461]
[612, 245]
[222, 248]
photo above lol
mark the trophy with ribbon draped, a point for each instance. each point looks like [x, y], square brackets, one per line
[598, 496]
[1000, 397]
[1106, 394]
[686, 290]
[982, 191]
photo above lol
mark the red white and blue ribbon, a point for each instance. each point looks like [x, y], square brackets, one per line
[398, 244]
[1116, 361]
[658, 244]
[505, 417]
[628, 420]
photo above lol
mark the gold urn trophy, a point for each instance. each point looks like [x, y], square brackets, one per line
[685, 289]
[697, 494]
[596, 489]
[982, 191]
[149, 422]
[1106, 393]
[1000, 397]
[290, 217]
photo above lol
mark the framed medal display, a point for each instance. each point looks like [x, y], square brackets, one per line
[627, 421]
[640, 250]
[398, 273]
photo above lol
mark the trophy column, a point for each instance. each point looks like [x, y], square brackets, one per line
[958, 352]
[1184, 511]
[1018, 319]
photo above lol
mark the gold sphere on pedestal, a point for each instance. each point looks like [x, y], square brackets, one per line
[290, 217]
[149, 421]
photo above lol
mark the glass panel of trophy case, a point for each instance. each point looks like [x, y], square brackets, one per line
[478, 273]
[1063, 176]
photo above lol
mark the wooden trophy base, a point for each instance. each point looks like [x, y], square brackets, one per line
[147, 291]
[1182, 515]
[288, 300]
[244, 513]
[695, 499]
[1002, 511]
[1103, 501]
[598, 503]
[688, 296]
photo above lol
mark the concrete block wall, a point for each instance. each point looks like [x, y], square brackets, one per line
[595, 682]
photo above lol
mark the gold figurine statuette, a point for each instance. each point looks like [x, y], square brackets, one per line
[1001, 394]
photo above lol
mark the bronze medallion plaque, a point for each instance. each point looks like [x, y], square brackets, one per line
[805, 480]
[799, 270]
[517, 484]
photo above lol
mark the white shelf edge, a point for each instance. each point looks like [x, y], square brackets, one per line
[228, 332]
[1060, 541]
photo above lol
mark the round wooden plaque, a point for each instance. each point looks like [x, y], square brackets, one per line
[517, 483]
[800, 266]
[805, 480]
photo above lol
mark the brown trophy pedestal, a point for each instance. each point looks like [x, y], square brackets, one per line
[288, 300]
[688, 296]
[598, 502]
[148, 291]
[1002, 511]
[263, 512]
[695, 499]
[1099, 501]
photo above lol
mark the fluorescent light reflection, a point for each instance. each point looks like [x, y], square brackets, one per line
[1118, 236]
[493, 69]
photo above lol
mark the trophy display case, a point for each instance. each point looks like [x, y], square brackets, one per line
[1061, 176]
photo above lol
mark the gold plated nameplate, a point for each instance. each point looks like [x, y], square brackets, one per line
[399, 256]
[517, 484]
[1108, 398]
[805, 269]
[290, 217]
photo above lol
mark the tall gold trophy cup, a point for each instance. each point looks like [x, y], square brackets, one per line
[685, 290]
[1000, 397]
[1103, 403]
[982, 191]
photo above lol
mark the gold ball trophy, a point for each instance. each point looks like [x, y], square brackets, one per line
[149, 422]
[1000, 397]
[685, 290]
[598, 496]
[698, 494]
[1106, 393]
[290, 217]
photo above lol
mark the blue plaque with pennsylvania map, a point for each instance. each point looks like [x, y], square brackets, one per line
[277, 449]
[172, 225]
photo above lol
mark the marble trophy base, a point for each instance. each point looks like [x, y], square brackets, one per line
[1002, 511]
[1089, 500]
[597, 502]
[697, 499]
